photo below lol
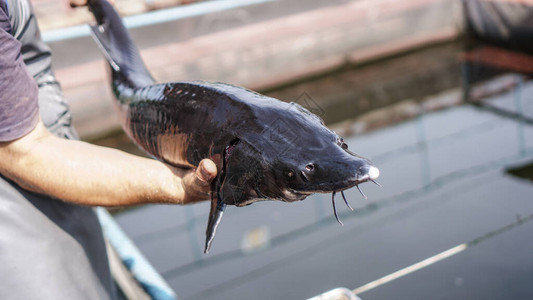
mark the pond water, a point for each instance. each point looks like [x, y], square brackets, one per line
[452, 136]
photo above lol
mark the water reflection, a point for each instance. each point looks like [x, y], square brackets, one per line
[443, 143]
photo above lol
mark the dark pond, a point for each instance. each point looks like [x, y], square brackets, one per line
[452, 134]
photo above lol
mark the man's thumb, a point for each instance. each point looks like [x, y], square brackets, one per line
[207, 170]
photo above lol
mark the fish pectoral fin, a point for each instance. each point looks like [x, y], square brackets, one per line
[215, 215]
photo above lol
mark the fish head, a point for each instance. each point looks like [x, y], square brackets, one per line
[292, 157]
[331, 168]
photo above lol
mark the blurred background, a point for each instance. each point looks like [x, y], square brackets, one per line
[437, 93]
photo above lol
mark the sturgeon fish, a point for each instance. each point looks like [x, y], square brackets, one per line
[265, 149]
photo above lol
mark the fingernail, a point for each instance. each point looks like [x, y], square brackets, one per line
[206, 175]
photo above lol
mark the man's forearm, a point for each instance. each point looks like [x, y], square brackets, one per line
[79, 172]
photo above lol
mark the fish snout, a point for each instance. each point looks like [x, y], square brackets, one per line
[373, 172]
[367, 172]
[313, 173]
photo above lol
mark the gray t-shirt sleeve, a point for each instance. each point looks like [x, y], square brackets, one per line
[19, 112]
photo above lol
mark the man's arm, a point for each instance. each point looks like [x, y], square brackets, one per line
[72, 170]
[87, 174]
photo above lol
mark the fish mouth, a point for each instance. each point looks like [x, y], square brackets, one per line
[291, 195]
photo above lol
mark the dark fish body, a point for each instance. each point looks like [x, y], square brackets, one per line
[265, 149]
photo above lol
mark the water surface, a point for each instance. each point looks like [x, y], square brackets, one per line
[453, 140]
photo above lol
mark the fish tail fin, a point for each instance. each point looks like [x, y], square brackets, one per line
[117, 45]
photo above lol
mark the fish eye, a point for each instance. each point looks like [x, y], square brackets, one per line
[344, 146]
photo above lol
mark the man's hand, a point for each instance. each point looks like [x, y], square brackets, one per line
[196, 183]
